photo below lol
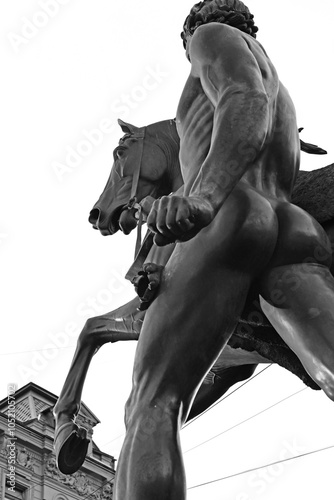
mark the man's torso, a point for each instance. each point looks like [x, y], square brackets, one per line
[271, 175]
[274, 171]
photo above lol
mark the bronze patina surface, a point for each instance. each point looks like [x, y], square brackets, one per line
[235, 228]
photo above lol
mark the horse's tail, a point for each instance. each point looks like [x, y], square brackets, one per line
[311, 149]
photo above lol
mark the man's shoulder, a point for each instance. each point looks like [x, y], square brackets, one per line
[212, 34]
[209, 39]
[216, 29]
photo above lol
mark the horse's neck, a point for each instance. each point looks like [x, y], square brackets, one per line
[166, 132]
[166, 135]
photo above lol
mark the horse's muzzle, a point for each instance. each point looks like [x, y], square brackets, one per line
[106, 224]
[107, 211]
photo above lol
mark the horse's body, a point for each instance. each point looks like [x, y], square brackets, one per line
[152, 169]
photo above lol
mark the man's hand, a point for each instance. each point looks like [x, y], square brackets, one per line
[178, 218]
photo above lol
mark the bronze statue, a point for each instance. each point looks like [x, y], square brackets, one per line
[254, 339]
[235, 229]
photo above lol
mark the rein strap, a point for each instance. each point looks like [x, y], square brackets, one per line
[133, 203]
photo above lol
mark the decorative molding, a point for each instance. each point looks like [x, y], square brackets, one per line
[23, 457]
[107, 492]
[84, 421]
[78, 482]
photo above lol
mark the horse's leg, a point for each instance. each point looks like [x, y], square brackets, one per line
[70, 440]
[209, 393]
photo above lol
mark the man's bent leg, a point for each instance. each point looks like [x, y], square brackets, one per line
[298, 300]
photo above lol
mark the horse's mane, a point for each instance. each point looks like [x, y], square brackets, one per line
[166, 137]
[164, 130]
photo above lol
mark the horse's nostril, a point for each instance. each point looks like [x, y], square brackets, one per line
[94, 216]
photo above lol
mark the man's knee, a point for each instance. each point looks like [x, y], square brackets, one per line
[325, 379]
[146, 414]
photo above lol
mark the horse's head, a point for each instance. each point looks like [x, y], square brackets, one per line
[145, 164]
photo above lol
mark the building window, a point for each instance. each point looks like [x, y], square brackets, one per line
[17, 493]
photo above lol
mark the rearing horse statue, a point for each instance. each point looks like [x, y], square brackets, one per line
[146, 166]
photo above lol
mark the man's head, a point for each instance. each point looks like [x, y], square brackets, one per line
[231, 12]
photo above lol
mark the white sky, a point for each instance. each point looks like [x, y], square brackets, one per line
[66, 77]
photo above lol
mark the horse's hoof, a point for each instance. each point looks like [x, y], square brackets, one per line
[71, 446]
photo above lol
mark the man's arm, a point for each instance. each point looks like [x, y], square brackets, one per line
[232, 80]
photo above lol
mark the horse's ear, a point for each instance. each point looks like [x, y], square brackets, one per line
[127, 127]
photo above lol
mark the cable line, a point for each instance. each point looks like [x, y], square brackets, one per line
[247, 419]
[36, 350]
[262, 467]
[228, 395]
[115, 439]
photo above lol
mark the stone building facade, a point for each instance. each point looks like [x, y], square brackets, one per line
[28, 468]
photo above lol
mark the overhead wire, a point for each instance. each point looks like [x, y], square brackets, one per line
[36, 350]
[262, 467]
[247, 419]
[227, 396]
[114, 439]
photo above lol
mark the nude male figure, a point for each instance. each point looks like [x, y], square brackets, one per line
[235, 225]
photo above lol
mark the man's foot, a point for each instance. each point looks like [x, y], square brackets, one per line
[70, 444]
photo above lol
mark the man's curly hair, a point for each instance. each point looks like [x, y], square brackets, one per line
[231, 12]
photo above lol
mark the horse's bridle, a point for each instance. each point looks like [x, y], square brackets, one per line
[133, 202]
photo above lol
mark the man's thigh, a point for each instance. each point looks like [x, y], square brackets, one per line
[203, 291]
